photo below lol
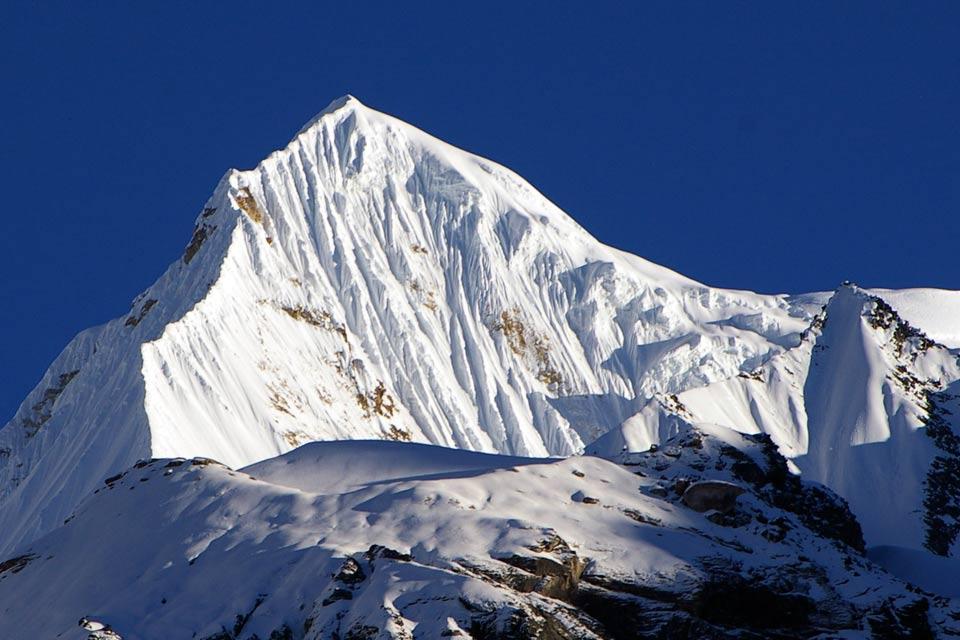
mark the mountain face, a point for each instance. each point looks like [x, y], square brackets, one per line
[371, 283]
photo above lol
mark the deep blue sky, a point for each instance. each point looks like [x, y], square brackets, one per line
[768, 146]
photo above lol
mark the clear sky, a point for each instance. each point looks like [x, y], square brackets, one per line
[767, 146]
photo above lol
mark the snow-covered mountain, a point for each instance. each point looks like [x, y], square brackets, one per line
[370, 281]
[866, 404]
[399, 540]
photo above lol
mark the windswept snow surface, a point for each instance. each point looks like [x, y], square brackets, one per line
[575, 548]
[371, 281]
[935, 311]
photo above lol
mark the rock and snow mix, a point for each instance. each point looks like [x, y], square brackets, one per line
[418, 541]
[369, 282]
[866, 404]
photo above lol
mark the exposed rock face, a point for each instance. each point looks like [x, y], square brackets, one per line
[729, 461]
[712, 495]
[941, 500]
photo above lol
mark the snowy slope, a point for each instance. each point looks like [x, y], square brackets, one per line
[576, 548]
[935, 311]
[331, 468]
[922, 568]
[853, 407]
[370, 281]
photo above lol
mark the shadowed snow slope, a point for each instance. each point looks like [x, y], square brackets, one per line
[370, 281]
[578, 548]
[331, 468]
[931, 572]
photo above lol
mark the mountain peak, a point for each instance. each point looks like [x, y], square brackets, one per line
[847, 303]
[848, 291]
[346, 98]
[370, 281]
[346, 101]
